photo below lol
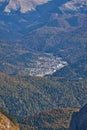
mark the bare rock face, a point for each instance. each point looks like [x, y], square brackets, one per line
[22, 5]
[75, 5]
[6, 124]
[79, 120]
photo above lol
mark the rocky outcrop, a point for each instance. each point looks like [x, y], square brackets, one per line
[22, 5]
[6, 124]
[79, 120]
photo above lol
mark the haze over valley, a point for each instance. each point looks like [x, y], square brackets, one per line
[43, 64]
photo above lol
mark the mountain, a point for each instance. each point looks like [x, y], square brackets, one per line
[25, 95]
[7, 122]
[43, 61]
[79, 120]
[28, 5]
[54, 26]
[23, 6]
[12, 17]
[19, 18]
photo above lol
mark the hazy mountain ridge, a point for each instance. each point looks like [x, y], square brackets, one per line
[54, 16]
[78, 6]
[58, 27]
[22, 5]
[25, 6]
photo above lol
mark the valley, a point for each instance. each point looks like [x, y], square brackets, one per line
[28, 62]
[43, 64]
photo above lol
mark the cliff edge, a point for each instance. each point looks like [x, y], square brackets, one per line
[79, 120]
[7, 124]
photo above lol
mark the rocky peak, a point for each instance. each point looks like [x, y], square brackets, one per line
[22, 5]
[75, 6]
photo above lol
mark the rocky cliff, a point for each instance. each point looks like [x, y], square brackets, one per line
[79, 120]
[6, 124]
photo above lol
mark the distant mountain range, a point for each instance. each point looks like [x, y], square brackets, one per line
[19, 18]
[21, 5]
[43, 61]
[54, 26]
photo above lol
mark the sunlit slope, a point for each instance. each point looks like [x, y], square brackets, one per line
[23, 95]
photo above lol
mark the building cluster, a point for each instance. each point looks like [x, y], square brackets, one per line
[45, 65]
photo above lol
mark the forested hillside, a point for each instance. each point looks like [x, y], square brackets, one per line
[43, 61]
[57, 119]
[23, 95]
